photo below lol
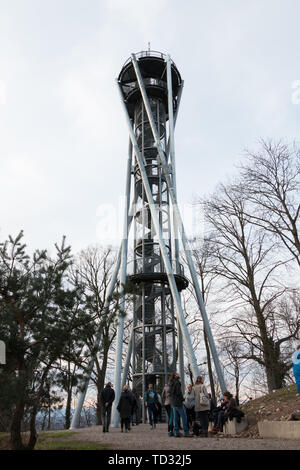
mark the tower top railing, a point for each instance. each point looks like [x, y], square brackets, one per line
[151, 53]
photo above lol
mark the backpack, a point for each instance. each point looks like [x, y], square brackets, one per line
[203, 399]
[196, 428]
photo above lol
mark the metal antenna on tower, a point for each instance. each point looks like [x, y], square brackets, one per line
[150, 100]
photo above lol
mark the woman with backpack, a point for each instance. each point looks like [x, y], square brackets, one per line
[202, 405]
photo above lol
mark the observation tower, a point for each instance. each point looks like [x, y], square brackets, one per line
[154, 345]
[150, 88]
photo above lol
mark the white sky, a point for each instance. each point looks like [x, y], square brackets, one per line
[63, 136]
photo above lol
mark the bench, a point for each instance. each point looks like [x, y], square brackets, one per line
[233, 427]
[279, 429]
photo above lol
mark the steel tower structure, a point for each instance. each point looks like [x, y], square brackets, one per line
[154, 350]
[150, 88]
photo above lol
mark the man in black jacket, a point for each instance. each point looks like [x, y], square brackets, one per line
[176, 400]
[107, 397]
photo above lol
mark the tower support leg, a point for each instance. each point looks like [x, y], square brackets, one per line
[171, 147]
[180, 357]
[120, 333]
[127, 360]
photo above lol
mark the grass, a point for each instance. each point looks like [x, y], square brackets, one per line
[57, 440]
[53, 434]
[4, 441]
[62, 441]
[57, 444]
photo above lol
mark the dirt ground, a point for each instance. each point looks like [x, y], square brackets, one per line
[276, 406]
[141, 437]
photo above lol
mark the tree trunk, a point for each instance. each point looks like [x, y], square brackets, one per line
[99, 409]
[209, 366]
[33, 433]
[237, 384]
[100, 387]
[271, 356]
[44, 421]
[275, 369]
[15, 432]
[68, 409]
[101, 374]
[49, 418]
[191, 374]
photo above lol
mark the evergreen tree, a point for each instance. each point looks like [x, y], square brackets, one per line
[38, 322]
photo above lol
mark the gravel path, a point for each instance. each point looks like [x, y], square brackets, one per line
[143, 438]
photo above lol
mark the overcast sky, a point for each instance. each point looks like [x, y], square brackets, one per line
[63, 136]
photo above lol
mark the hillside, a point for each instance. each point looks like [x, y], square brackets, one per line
[276, 406]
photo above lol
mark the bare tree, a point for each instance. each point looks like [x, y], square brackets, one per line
[234, 363]
[205, 264]
[271, 180]
[249, 262]
[94, 269]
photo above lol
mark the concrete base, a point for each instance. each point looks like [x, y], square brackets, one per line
[233, 427]
[279, 429]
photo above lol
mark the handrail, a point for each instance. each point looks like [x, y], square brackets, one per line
[141, 54]
[138, 264]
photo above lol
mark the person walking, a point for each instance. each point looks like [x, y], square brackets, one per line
[125, 408]
[202, 405]
[166, 401]
[151, 401]
[176, 400]
[135, 407]
[159, 408]
[212, 411]
[107, 397]
[189, 404]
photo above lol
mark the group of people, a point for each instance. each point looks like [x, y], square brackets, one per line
[190, 412]
[128, 407]
[196, 408]
[189, 409]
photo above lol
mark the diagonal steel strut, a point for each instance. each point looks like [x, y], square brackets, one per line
[120, 333]
[171, 149]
